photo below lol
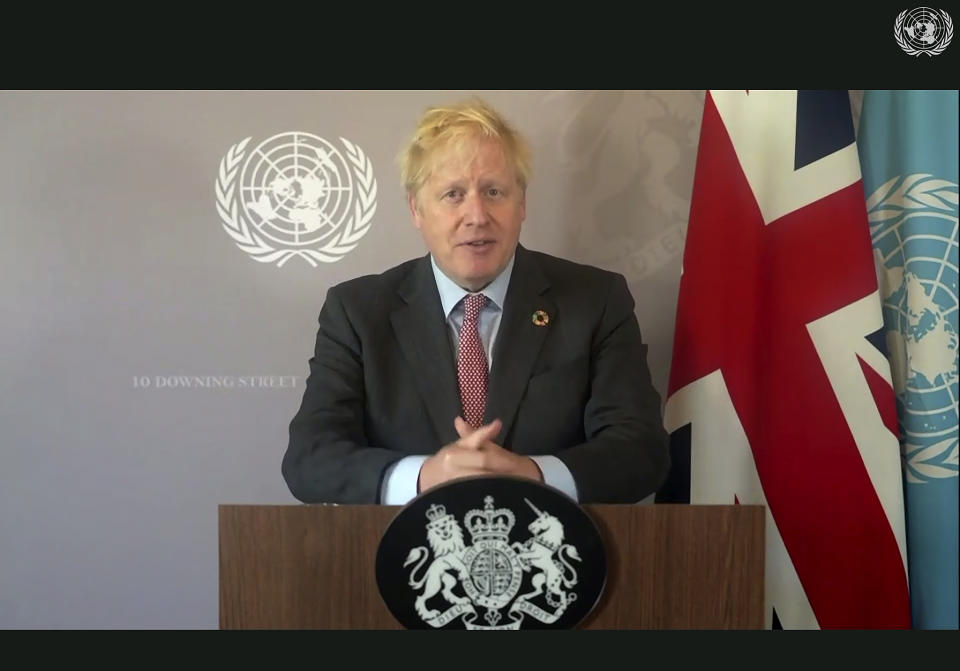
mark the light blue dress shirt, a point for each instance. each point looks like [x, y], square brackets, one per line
[400, 479]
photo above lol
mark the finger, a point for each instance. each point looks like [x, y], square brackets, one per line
[463, 429]
[465, 459]
[474, 439]
[485, 433]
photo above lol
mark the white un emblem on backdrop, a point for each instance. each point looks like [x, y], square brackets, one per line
[296, 194]
[923, 30]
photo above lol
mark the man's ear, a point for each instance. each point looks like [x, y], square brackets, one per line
[414, 210]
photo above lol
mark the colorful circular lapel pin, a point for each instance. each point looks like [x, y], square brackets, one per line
[541, 318]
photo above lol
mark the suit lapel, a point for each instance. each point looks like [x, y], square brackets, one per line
[422, 333]
[519, 340]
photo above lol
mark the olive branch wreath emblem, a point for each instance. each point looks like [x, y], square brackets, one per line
[236, 226]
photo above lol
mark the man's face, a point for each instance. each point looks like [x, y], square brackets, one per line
[469, 212]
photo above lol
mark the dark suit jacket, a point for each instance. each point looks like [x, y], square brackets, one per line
[383, 385]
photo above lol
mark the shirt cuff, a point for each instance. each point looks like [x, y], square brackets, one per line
[400, 481]
[556, 474]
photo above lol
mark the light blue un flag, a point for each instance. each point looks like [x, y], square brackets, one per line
[908, 154]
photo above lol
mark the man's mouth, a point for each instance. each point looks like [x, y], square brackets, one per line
[477, 243]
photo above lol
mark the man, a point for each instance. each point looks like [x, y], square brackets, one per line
[480, 358]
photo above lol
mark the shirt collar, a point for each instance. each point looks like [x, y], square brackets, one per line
[451, 293]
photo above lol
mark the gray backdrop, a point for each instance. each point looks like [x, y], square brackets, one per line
[151, 366]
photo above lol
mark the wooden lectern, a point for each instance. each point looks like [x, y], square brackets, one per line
[668, 567]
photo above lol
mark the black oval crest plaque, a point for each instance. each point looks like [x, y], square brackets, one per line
[489, 553]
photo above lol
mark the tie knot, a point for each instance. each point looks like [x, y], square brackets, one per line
[472, 304]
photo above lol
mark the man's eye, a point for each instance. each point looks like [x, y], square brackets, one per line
[494, 191]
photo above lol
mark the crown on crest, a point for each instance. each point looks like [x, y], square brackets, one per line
[436, 512]
[489, 524]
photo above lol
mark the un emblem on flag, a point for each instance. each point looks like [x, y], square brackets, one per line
[912, 224]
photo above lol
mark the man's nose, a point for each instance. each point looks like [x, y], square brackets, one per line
[475, 209]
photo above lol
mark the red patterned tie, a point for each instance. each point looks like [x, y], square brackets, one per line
[472, 362]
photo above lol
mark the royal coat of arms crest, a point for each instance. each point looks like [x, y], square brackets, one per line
[455, 580]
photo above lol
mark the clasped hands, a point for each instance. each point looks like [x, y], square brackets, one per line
[475, 453]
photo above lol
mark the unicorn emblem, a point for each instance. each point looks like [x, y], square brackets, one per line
[547, 555]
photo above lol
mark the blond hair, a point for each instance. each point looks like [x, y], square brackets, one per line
[458, 127]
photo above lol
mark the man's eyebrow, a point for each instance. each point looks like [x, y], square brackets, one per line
[446, 184]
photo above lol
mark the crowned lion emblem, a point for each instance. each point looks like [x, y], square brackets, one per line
[446, 543]
[489, 573]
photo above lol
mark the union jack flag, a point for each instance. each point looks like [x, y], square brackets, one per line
[780, 393]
